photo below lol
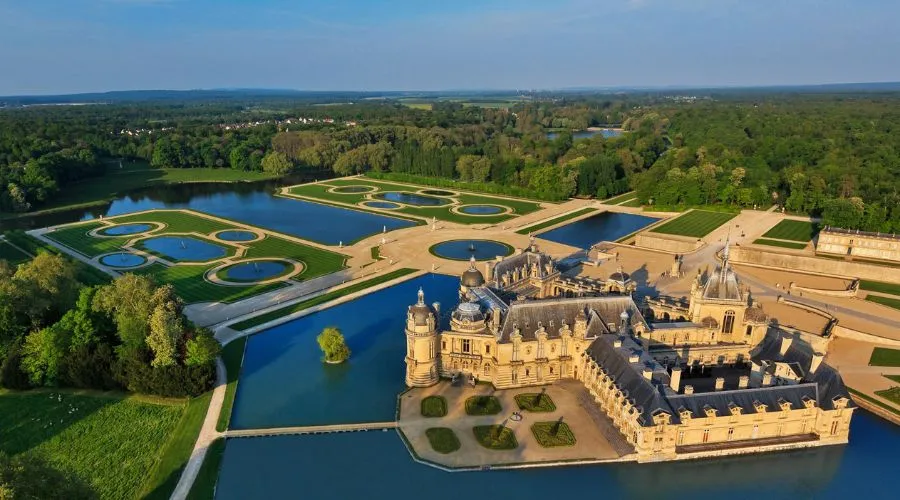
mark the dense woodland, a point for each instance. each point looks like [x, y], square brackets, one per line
[834, 156]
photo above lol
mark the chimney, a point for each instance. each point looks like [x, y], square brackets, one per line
[647, 373]
[675, 378]
[688, 390]
[743, 382]
[617, 343]
[720, 383]
[816, 361]
[767, 379]
[785, 345]
[634, 358]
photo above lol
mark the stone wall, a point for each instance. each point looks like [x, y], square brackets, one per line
[667, 242]
[859, 244]
[828, 267]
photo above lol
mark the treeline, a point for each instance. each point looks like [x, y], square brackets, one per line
[130, 334]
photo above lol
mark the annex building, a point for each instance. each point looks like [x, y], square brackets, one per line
[699, 378]
[859, 244]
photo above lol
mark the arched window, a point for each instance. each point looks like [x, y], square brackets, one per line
[728, 324]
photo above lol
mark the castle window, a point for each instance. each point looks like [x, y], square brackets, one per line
[443, 345]
[749, 330]
[515, 354]
[487, 369]
[834, 427]
[466, 345]
[515, 376]
[487, 348]
[728, 324]
[527, 373]
[431, 350]
[681, 437]
[730, 433]
[551, 370]
[706, 436]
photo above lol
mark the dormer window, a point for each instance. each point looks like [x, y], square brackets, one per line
[685, 414]
[809, 402]
[839, 402]
[760, 407]
[735, 409]
[785, 405]
[709, 411]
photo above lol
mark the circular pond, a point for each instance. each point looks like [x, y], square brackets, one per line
[437, 192]
[465, 249]
[381, 204]
[122, 259]
[353, 189]
[183, 248]
[481, 209]
[236, 235]
[413, 199]
[257, 270]
[125, 229]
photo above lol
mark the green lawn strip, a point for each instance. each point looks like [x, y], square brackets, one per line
[232, 356]
[76, 238]
[495, 437]
[192, 287]
[879, 286]
[892, 394]
[177, 221]
[777, 243]
[164, 477]
[483, 405]
[874, 401]
[376, 252]
[434, 406]
[794, 230]
[555, 220]
[634, 202]
[551, 434]
[615, 200]
[12, 254]
[288, 310]
[885, 301]
[204, 487]
[442, 439]
[882, 356]
[85, 273]
[696, 223]
[535, 402]
[320, 192]
[895, 378]
[318, 262]
[108, 441]
[488, 188]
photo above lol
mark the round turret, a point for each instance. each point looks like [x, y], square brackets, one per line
[472, 277]
[421, 311]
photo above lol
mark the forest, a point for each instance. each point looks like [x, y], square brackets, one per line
[836, 156]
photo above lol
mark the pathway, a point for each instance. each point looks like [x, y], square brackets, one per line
[40, 234]
[208, 434]
[311, 429]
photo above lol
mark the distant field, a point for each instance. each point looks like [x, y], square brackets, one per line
[108, 442]
[556, 220]
[782, 244]
[879, 286]
[793, 230]
[696, 223]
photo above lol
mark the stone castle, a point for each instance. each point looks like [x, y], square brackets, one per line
[703, 376]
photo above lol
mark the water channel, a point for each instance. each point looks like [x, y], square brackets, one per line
[605, 226]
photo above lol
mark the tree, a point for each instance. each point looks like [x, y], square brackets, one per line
[26, 477]
[48, 286]
[43, 354]
[331, 341]
[276, 163]
[166, 331]
[202, 348]
[129, 300]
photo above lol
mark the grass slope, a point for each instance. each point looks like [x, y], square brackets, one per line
[696, 223]
[793, 230]
[556, 220]
[615, 200]
[108, 441]
[882, 356]
[782, 244]
[232, 356]
[880, 286]
[204, 487]
[885, 301]
[12, 254]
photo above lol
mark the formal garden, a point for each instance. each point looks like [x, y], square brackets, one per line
[442, 439]
[434, 406]
[535, 402]
[204, 258]
[495, 437]
[482, 405]
[696, 223]
[417, 201]
[553, 434]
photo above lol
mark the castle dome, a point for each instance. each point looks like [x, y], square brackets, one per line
[472, 277]
[421, 311]
[469, 312]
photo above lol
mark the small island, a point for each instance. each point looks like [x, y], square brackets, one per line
[332, 343]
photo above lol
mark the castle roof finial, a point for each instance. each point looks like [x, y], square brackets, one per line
[472, 262]
[421, 301]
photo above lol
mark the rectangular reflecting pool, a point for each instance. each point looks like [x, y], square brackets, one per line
[605, 226]
[377, 465]
[283, 381]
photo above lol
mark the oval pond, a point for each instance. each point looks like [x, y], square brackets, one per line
[258, 270]
[481, 209]
[181, 248]
[236, 235]
[125, 229]
[413, 199]
[437, 192]
[353, 189]
[122, 259]
[381, 204]
[465, 249]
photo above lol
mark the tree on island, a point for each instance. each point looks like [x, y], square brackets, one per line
[331, 340]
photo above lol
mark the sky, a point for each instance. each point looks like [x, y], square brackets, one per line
[70, 46]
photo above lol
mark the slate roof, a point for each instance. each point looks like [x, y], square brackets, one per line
[551, 313]
[721, 401]
[722, 284]
[525, 259]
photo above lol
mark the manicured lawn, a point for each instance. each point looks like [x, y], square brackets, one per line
[892, 394]
[318, 262]
[794, 230]
[555, 220]
[376, 253]
[434, 406]
[76, 238]
[483, 405]
[885, 301]
[164, 477]
[204, 487]
[551, 434]
[535, 402]
[321, 299]
[895, 378]
[615, 200]
[782, 244]
[232, 356]
[879, 286]
[108, 441]
[696, 223]
[86, 274]
[192, 287]
[634, 202]
[442, 439]
[882, 356]
[176, 221]
[12, 254]
[495, 437]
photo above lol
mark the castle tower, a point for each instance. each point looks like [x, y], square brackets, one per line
[422, 360]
